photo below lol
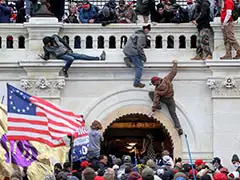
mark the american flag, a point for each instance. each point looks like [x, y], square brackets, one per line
[33, 118]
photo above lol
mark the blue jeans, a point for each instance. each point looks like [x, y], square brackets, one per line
[137, 61]
[31, 8]
[70, 57]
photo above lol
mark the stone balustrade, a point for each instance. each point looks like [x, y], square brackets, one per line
[167, 41]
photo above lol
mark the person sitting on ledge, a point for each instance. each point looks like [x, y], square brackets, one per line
[58, 48]
[164, 93]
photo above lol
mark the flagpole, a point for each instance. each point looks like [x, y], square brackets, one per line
[10, 154]
[190, 157]
[71, 151]
[2, 100]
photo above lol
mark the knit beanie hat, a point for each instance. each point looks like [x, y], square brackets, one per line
[235, 158]
[151, 164]
[147, 171]
[106, 11]
[147, 27]
[216, 159]
[47, 39]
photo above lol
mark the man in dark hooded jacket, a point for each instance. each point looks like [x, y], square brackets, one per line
[143, 9]
[106, 16]
[135, 53]
[59, 49]
[164, 93]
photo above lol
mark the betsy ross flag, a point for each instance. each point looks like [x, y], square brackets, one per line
[35, 119]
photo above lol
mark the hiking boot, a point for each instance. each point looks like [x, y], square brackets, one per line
[237, 56]
[197, 57]
[207, 57]
[180, 131]
[128, 62]
[226, 57]
[65, 73]
[139, 85]
[103, 56]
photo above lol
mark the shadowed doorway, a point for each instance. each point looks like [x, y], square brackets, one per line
[125, 135]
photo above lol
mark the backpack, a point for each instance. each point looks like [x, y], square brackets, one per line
[235, 11]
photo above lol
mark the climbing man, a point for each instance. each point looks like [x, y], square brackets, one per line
[164, 93]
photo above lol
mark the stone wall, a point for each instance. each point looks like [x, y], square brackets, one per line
[206, 92]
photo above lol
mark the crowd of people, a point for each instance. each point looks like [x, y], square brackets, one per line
[142, 11]
[145, 165]
[160, 167]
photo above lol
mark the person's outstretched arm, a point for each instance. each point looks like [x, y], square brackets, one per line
[173, 72]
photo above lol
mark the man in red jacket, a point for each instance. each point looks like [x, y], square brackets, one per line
[164, 93]
[228, 31]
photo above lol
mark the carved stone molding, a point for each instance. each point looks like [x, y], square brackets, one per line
[227, 87]
[43, 86]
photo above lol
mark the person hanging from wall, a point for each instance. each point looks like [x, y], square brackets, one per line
[134, 53]
[164, 93]
[59, 49]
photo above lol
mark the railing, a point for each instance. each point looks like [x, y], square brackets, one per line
[177, 40]
[93, 36]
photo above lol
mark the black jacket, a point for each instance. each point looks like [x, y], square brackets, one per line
[146, 7]
[203, 20]
[60, 49]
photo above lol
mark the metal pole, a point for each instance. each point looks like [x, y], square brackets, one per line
[190, 156]
[71, 148]
[2, 99]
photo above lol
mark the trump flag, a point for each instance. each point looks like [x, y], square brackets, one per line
[35, 119]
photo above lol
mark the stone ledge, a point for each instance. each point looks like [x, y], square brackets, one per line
[99, 64]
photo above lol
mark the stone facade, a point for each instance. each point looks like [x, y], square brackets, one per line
[207, 93]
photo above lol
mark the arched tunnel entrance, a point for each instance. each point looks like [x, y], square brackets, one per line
[125, 135]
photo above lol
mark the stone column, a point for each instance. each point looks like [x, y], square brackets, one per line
[218, 44]
[38, 27]
[225, 87]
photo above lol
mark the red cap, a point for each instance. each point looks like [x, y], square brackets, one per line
[154, 79]
[84, 164]
[85, 6]
[189, 1]
[199, 162]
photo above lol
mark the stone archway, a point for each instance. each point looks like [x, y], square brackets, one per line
[125, 135]
[176, 140]
[119, 102]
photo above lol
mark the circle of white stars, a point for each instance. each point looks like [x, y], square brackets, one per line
[24, 110]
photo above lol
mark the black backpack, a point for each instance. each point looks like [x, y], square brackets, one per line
[235, 12]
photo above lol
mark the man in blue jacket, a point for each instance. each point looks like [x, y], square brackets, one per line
[5, 12]
[88, 12]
